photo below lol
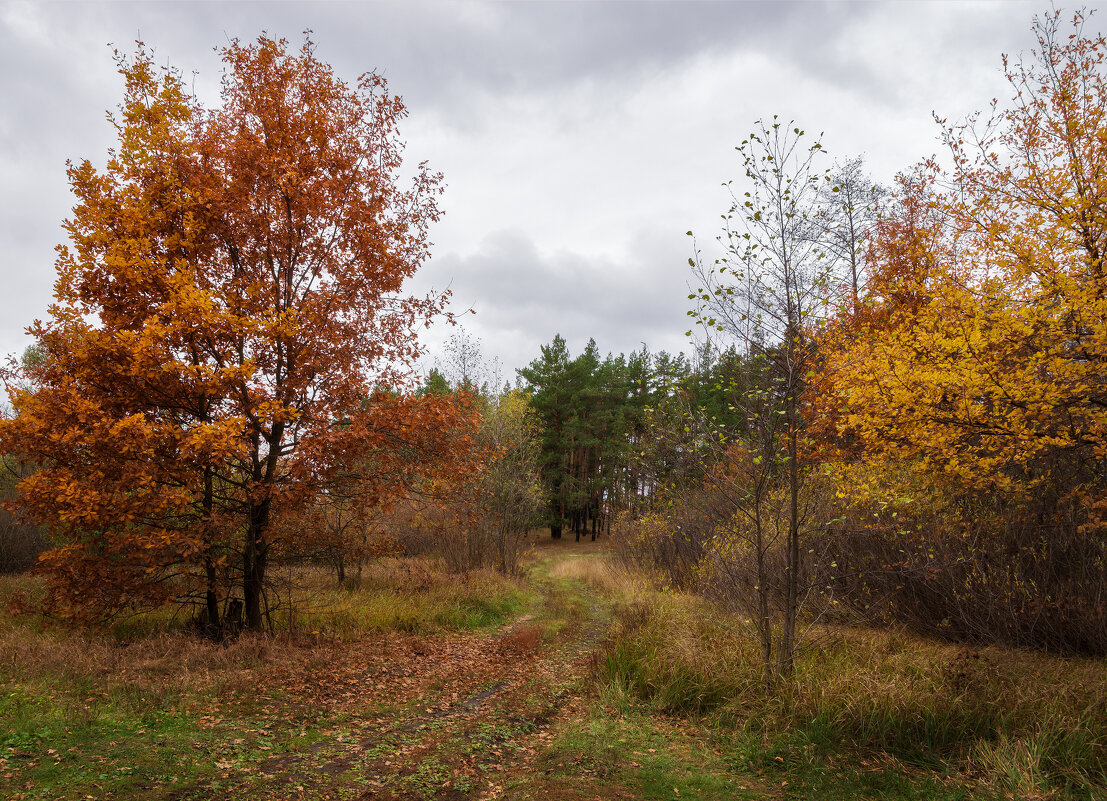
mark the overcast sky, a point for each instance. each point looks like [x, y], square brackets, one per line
[579, 141]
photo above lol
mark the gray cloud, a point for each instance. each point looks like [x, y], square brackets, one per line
[522, 296]
[579, 140]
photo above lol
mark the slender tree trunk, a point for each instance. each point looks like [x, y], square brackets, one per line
[786, 652]
[555, 530]
[254, 563]
[211, 595]
[212, 590]
[764, 625]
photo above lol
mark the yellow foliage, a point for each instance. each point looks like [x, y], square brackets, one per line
[983, 350]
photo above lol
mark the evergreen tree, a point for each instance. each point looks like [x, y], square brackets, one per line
[547, 378]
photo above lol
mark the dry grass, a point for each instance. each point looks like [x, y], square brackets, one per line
[59, 653]
[160, 647]
[1013, 721]
[596, 569]
[394, 595]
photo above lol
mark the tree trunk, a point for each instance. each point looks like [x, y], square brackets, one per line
[786, 649]
[764, 624]
[254, 563]
[211, 595]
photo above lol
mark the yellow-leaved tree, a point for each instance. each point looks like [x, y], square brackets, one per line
[980, 357]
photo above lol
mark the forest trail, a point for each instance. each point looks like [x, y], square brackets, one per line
[452, 716]
[521, 711]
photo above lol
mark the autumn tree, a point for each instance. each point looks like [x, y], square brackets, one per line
[350, 518]
[766, 292]
[225, 316]
[479, 517]
[507, 490]
[982, 364]
[990, 290]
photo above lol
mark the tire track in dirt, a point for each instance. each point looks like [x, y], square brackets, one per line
[444, 716]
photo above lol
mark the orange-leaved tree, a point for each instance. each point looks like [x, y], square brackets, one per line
[482, 518]
[224, 319]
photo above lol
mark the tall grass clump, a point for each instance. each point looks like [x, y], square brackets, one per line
[605, 575]
[668, 654]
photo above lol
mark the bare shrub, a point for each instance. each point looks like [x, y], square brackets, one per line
[726, 530]
[20, 543]
[663, 548]
[1022, 584]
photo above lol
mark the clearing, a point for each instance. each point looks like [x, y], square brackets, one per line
[502, 712]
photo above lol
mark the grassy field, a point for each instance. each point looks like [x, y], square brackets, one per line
[576, 682]
[137, 709]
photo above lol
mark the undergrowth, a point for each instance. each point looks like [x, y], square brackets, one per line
[391, 595]
[872, 711]
[397, 595]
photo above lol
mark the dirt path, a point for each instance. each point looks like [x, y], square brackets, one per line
[449, 716]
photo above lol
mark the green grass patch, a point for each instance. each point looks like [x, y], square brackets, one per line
[633, 754]
[58, 745]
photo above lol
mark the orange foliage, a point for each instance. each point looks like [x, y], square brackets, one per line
[223, 319]
[911, 252]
